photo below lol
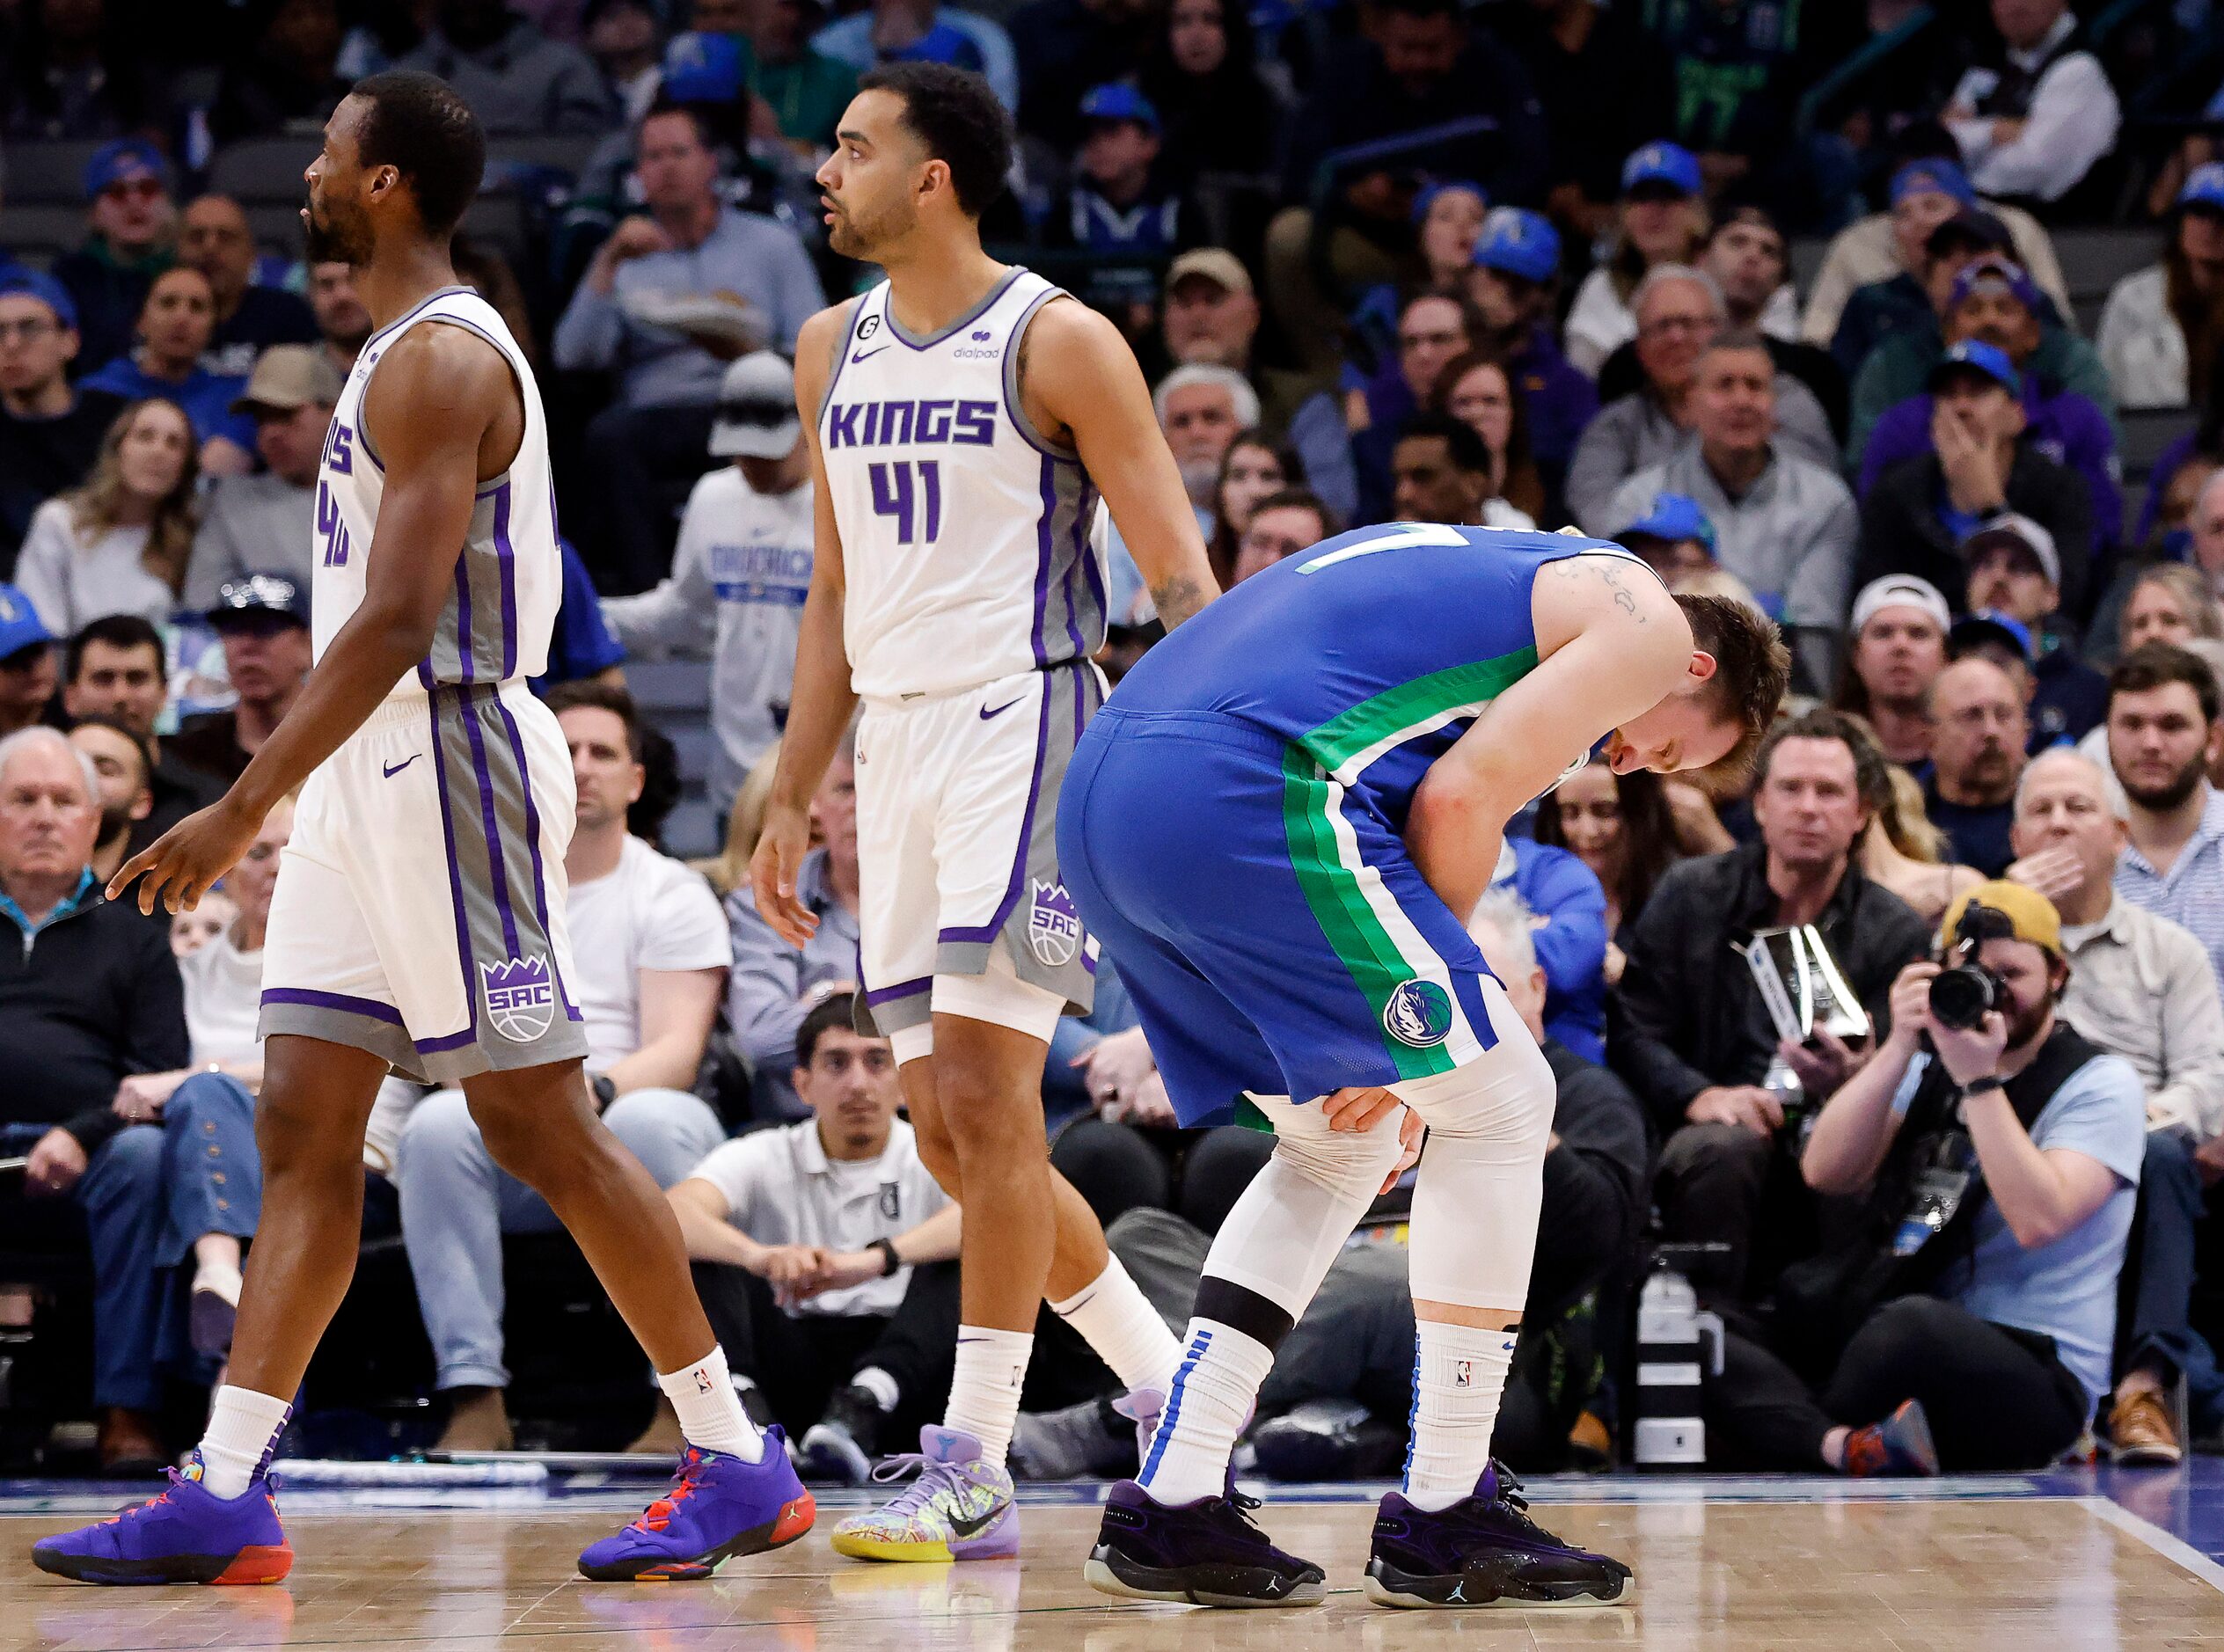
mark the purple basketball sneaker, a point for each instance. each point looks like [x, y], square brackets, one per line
[1206, 1553]
[1484, 1551]
[187, 1535]
[719, 1506]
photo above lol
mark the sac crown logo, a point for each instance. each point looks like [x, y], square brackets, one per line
[1053, 924]
[1418, 1014]
[520, 996]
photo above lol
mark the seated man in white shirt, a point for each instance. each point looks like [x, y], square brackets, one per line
[827, 1255]
[649, 950]
[2032, 125]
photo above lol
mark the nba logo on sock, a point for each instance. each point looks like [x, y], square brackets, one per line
[1418, 1014]
[520, 996]
[1053, 924]
[702, 1380]
[1463, 1374]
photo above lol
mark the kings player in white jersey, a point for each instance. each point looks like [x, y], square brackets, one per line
[965, 416]
[418, 923]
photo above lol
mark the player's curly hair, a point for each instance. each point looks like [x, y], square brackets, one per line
[953, 112]
[1752, 669]
[420, 126]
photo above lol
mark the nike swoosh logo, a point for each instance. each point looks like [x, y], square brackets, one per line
[393, 769]
[866, 355]
[973, 1528]
[989, 711]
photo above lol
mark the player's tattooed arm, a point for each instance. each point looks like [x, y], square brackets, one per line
[1622, 581]
[1079, 384]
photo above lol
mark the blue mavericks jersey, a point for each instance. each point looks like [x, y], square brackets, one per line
[1371, 652]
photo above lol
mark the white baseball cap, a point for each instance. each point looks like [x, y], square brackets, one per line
[1901, 591]
[756, 417]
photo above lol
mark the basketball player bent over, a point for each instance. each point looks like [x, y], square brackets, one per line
[1277, 827]
[963, 417]
[419, 916]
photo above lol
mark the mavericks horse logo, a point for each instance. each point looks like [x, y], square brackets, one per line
[1418, 1013]
[520, 996]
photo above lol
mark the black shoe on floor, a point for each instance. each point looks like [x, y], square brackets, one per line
[1327, 1439]
[841, 1446]
[1484, 1551]
[1204, 1553]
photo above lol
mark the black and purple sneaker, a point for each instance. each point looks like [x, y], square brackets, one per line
[1485, 1551]
[1200, 1553]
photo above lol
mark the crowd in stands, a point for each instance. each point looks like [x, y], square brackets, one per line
[1777, 297]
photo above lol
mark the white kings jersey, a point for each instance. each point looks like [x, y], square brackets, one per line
[965, 535]
[509, 577]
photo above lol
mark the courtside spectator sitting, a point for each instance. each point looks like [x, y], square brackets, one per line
[262, 619]
[2014, 569]
[50, 429]
[1783, 524]
[1433, 330]
[514, 77]
[1440, 472]
[646, 448]
[119, 542]
[1980, 734]
[1112, 207]
[267, 521]
[828, 1256]
[89, 996]
[2162, 325]
[1662, 223]
[2033, 122]
[923, 32]
[114, 668]
[26, 661]
[1476, 390]
[648, 958]
[774, 986]
[342, 323]
[1284, 522]
[122, 763]
[130, 219]
[1987, 1346]
[744, 565]
[214, 238]
[1978, 465]
[173, 333]
[2163, 741]
[1514, 284]
[2139, 987]
[1566, 908]
[1687, 1026]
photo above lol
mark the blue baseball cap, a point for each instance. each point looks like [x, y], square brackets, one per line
[1427, 197]
[20, 627]
[1989, 624]
[1516, 242]
[1931, 177]
[1668, 163]
[1975, 355]
[1116, 100]
[122, 160]
[1995, 271]
[701, 68]
[2203, 188]
[34, 283]
[256, 597]
[1673, 516]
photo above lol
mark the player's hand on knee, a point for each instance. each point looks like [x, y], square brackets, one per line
[1410, 1132]
[1359, 1108]
[780, 850]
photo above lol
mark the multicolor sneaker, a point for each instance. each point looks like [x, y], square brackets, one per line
[720, 1505]
[187, 1535]
[1899, 1445]
[1201, 1553]
[1484, 1551]
[959, 1508]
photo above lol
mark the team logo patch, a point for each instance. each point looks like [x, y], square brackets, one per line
[1418, 1014]
[1053, 924]
[520, 996]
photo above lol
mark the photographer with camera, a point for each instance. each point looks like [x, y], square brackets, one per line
[1997, 1154]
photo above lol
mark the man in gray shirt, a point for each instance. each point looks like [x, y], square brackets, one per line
[264, 523]
[1785, 525]
[514, 77]
[627, 317]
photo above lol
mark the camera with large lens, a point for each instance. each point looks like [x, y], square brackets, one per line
[1964, 991]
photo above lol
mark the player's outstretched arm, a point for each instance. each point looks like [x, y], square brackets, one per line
[438, 393]
[1614, 645]
[1077, 376]
[821, 700]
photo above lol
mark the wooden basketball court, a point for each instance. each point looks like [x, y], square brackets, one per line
[2040, 1565]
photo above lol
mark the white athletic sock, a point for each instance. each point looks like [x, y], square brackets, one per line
[243, 1425]
[1115, 1318]
[1212, 1395]
[1458, 1373]
[985, 1389]
[710, 1412]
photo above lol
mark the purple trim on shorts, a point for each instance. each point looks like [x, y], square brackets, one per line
[1087, 962]
[1042, 562]
[486, 777]
[454, 1040]
[425, 672]
[532, 848]
[901, 990]
[988, 931]
[455, 873]
[369, 1008]
[505, 561]
[464, 649]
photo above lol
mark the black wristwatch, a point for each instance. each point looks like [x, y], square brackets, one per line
[890, 1260]
[1979, 1087]
[605, 1089]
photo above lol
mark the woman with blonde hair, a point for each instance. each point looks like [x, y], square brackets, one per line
[2171, 602]
[728, 869]
[119, 544]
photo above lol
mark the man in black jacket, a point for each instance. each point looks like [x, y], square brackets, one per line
[1687, 1026]
[88, 993]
